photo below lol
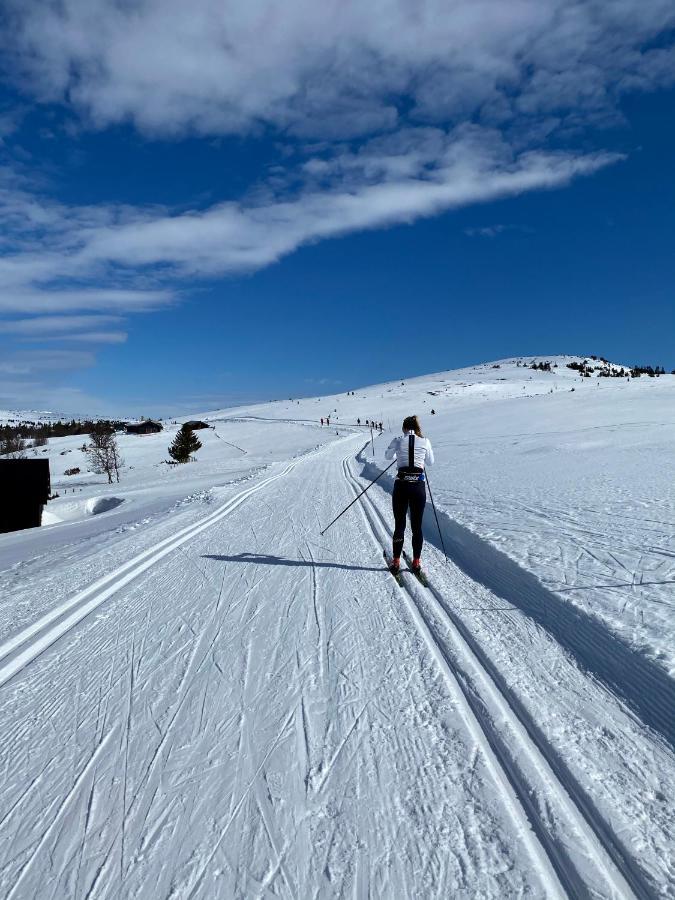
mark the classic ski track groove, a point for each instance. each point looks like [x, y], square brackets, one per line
[26, 645]
[515, 755]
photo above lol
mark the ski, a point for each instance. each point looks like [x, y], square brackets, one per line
[398, 575]
[419, 575]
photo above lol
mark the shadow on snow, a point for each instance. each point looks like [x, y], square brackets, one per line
[642, 683]
[266, 560]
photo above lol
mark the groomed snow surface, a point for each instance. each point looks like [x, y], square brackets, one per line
[202, 696]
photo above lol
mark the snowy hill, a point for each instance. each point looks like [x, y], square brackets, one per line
[22, 416]
[570, 476]
[216, 699]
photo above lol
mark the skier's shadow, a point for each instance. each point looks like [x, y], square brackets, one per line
[266, 560]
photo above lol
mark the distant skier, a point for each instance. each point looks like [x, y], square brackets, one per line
[358, 421]
[328, 420]
[413, 452]
[381, 429]
[322, 422]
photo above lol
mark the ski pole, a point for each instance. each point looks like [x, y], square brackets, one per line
[356, 498]
[440, 533]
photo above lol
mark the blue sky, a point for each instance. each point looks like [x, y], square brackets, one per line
[210, 205]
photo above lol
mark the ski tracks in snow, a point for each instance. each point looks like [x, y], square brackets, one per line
[273, 722]
[575, 850]
[22, 648]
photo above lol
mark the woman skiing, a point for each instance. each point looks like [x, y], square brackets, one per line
[413, 452]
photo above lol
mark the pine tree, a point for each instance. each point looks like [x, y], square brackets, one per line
[184, 445]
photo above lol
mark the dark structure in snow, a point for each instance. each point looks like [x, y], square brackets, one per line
[147, 427]
[195, 425]
[24, 489]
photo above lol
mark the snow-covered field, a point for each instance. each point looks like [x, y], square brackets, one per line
[17, 416]
[202, 696]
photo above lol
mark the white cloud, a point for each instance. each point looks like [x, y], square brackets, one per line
[32, 362]
[27, 298]
[66, 328]
[486, 231]
[416, 107]
[322, 382]
[48, 325]
[396, 180]
[524, 69]
[389, 180]
[93, 337]
[491, 231]
[331, 68]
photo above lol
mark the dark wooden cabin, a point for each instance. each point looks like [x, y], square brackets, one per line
[24, 489]
[196, 424]
[148, 427]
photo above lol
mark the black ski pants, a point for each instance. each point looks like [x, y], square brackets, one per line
[408, 495]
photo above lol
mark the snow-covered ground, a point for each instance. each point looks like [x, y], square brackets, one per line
[576, 486]
[201, 695]
[19, 416]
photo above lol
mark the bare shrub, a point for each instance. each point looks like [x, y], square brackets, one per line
[103, 453]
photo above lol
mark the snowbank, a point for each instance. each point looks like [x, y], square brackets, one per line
[96, 505]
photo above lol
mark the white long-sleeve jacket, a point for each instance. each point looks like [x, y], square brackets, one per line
[422, 454]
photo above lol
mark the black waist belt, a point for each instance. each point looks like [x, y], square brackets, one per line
[410, 473]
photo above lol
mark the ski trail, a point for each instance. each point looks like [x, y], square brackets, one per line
[518, 763]
[209, 858]
[286, 727]
[261, 794]
[61, 811]
[28, 644]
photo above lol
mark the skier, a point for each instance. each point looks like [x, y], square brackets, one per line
[358, 421]
[322, 423]
[413, 452]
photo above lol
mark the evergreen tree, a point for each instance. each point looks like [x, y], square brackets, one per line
[184, 445]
